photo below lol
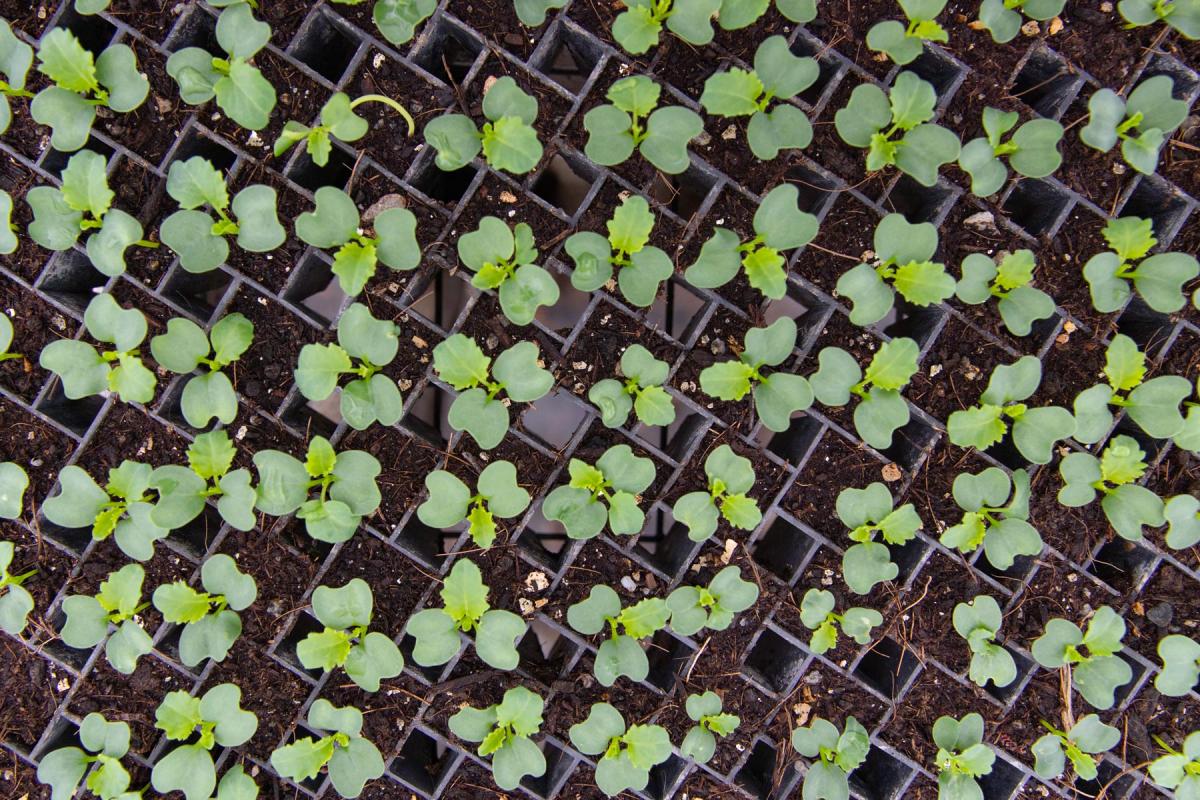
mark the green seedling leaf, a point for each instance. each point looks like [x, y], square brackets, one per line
[607, 492]
[904, 43]
[730, 477]
[1004, 19]
[1097, 671]
[693, 608]
[503, 731]
[629, 122]
[1141, 124]
[835, 757]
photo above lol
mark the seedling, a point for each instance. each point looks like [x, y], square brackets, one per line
[1182, 514]
[209, 618]
[479, 410]
[619, 654]
[352, 759]
[880, 411]
[334, 225]
[503, 731]
[630, 121]
[345, 642]
[1189, 437]
[466, 609]
[700, 743]
[1128, 507]
[641, 268]
[84, 371]
[1034, 430]
[121, 509]
[1097, 674]
[1003, 530]
[240, 89]
[1159, 279]
[1153, 404]
[15, 600]
[184, 491]
[16, 58]
[834, 756]
[1020, 304]
[13, 483]
[185, 346]
[1141, 124]
[1179, 770]
[696, 607]
[817, 614]
[607, 492]
[776, 396]
[117, 603]
[338, 121]
[346, 484]
[867, 512]
[979, 623]
[730, 477]
[637, 29]
[778, 225]
[218, 718]
[1086, 738]
[640, 392]
[503, 259]
[532, 13]
[871, 119]
[1182, 15]
[627, 754]
[365, 346]
[497, 494]
[778, 75]
[1032, 151]
[8, 240]
[199, 239]
[1003, 19]
[397, 20]
[508, 140]
[902, 263]
[83, 205]
[903, 43]
[962, 757]
[81, 84]
[104, 745]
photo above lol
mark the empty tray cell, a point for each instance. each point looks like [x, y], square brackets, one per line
[319, 417]
[305, 172]
[1037, 205]
[543, 540]
[74, 415]
[783, 549]
[683, 194]
[447, 188]
[1045, 83]
[558, 766]
[441, 298]
[1006, 694]
[554, 419]
[568, 57]
[423, 762]
[794, 444]
[817, 188]
[1184, 80]
[314, 289]
[447, 51]
[916, 202]
[428, 545]
[922, 324]
[1122, 564]
[324, 46]
[828, 62]
[1147, 327]
[545, 653]
[197, 293]
[428, 416]
[882, 776]
[200, 143]
[564, 183]
[808, 310]
[775, 660]
[669, 659]
[1003, 782]
[305, 624]
[665, 777]
[54, 161]
[1155, 199]
[664, 543]
[1118, 783]
[912, 441]
[757, 775]
[677, 311]
[940, 70]
[888, 667]
[94, 32]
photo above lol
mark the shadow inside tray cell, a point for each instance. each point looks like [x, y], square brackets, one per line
[1147, 327]
[938, 69]
[440, 297]
[197, 293]
[554, 419]
[447, 51]
[1156, 200]
[669, 658]
[71, 279]
[665, 543]
[336, 172]
[664, 778]
[1122, 564]
[313, 417]
[570, 58]
[74, 415]
[1002, 782]
[685, 193]
[558, 766]
[427, 544]
[677, 311]
[543, 540]
[197, 143]
[1118, 783]
[794, 443]
[916, 202]
[314, 288]
[436, 183]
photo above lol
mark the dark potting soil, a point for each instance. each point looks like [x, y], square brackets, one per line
[813, 494]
